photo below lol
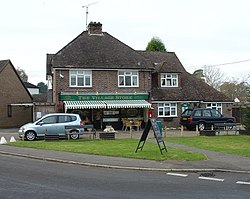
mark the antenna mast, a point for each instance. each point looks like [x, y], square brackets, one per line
[87, 12]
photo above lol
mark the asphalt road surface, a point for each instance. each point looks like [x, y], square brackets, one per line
[28, 178]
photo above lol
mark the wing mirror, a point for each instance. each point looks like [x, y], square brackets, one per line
[40, 123]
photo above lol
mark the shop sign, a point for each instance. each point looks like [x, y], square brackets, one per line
[65, 97]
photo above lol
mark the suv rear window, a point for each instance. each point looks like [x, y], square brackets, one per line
[187, 112]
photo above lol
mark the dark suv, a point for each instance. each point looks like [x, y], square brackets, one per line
[203, 117]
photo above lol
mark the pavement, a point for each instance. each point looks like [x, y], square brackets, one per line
[217, 161]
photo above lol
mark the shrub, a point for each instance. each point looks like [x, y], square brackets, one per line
[246, 119]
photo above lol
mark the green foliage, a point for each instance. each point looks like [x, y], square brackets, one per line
[43, 88]
[22, 74]
[156, 44]
[246, 121]
[238, 145]
[116, 148]
[199, 74]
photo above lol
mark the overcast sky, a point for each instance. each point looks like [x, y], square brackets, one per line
[200, 32]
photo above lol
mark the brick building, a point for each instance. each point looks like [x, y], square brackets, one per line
[107, 82]
[101, 78]
[16, 102]
[174, 90]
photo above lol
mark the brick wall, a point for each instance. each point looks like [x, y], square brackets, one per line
[12, 91]
[102, 81]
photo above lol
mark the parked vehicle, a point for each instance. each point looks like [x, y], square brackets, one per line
[203, 117]
[53, 123]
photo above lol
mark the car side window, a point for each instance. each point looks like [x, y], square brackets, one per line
[207, 113]
[62, 118]
[215, 113]
[66, 118]
[73, 118]
[197, 113]
[49, 120]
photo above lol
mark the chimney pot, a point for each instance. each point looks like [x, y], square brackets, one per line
[95, 28]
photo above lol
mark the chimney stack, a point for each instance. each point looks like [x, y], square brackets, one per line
[95, 28]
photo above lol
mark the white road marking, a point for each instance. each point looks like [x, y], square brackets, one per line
[177, 174]
[242, 182]
[213, 179]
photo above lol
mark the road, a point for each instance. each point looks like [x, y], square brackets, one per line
[28, 178]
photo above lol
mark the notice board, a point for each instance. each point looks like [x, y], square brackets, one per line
[152, 124]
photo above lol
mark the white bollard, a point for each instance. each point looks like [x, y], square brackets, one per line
[12, 139]
[3, 141]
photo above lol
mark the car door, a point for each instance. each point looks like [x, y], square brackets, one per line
[63, 120]
[207, 116]
[46, 125]
[217, 117]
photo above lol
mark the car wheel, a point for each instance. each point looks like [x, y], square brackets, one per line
[74, 135]
[201, 126]
[230, 127]
[30, 135]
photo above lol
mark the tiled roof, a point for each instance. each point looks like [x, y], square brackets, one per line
[191, 89]
[41, 97]
[3, 64]
[164, 61]
[99, 51]
[29, 85]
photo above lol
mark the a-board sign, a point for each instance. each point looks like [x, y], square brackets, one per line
[152, 123]
[156, 129]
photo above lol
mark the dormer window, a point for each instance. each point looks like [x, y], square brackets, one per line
[169, 80]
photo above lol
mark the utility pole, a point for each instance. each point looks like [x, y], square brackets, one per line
[87, 12]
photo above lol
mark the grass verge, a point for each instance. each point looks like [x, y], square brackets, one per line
[117, 148]
[237, 145]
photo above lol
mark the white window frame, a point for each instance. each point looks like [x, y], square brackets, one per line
[216, 105]
[165, 108]
[83, 74]
[169, 80]
[123, 74]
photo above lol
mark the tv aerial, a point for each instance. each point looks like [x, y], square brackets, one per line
[87, 12]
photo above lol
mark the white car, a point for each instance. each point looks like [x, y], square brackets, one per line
[54, 124]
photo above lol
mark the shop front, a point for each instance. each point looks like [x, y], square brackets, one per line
[102, 110]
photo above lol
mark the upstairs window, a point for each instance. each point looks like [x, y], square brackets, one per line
[80, 78]
[128, 79]
[169, 80]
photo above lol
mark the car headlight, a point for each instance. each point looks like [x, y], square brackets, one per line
[21, 129]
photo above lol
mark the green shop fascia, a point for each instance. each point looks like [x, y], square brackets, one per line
[102, 96]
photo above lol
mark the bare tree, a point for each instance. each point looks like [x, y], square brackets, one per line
[213, 75]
